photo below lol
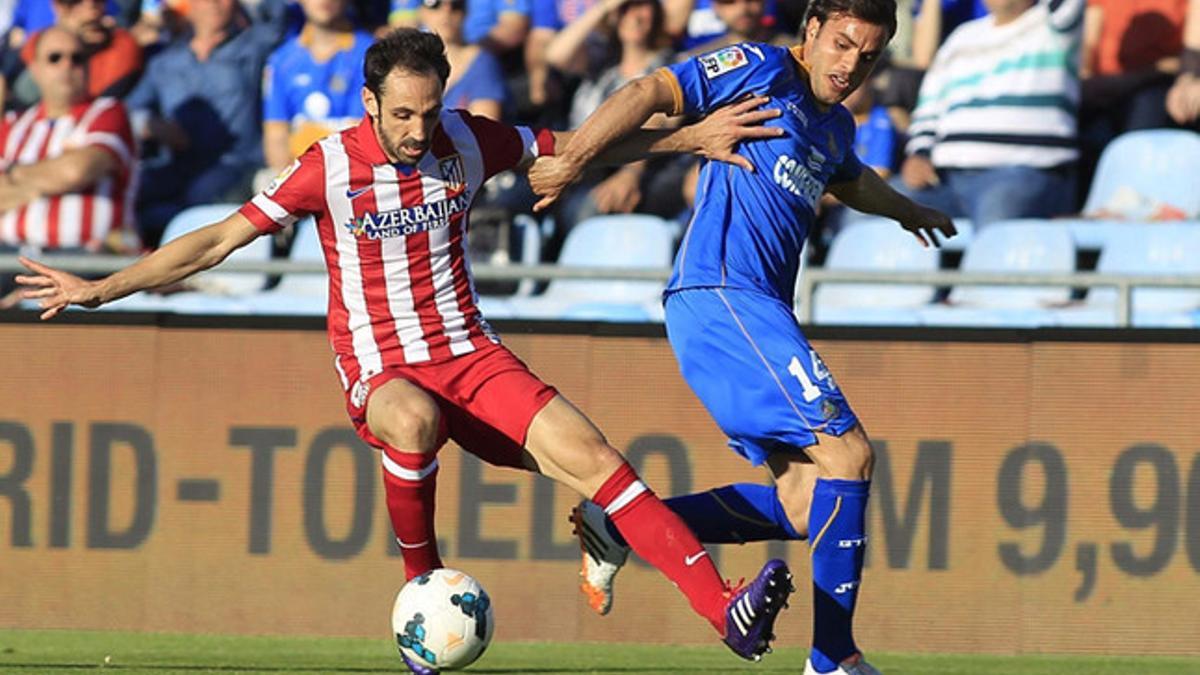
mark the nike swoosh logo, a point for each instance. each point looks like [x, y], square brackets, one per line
[691, 559]
[355, 194]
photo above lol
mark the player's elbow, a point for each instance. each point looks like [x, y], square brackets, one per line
[646, 94]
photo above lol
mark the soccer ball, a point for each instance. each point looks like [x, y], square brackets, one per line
[443, 619]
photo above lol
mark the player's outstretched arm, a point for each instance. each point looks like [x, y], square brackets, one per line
[715, 137]
[871, 194]
[181, 258]
[619, 115]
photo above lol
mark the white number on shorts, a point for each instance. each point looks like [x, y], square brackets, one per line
[810, 390]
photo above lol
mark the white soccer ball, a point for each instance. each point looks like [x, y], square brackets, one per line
[443, 619]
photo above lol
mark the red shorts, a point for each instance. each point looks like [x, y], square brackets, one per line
[487, 399]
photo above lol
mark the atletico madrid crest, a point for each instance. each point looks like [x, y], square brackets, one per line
[453, 173]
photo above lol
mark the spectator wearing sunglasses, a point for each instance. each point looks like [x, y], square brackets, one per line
[114, 59]
[476, 81]
[67, 162]
[313, 82]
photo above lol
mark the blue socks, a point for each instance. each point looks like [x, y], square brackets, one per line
[837, 530]
[733, 514]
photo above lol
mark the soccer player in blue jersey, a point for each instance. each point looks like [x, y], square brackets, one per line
[729, 301]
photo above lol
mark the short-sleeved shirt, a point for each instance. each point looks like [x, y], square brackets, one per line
[483, 81]
[875, 140]
[216, 100]
[82, 218]
[394, 236]
[1135, 34]
[748, 229]
[314, 98]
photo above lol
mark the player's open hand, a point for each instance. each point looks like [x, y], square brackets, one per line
[925, 224]
[719, 134]
[56, 289]
[548, 177]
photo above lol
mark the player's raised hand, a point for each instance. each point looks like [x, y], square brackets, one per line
[925, 223]
[721, 132]
[56, 289]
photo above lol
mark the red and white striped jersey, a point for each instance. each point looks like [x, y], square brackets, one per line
[72, 219]
[395, 237]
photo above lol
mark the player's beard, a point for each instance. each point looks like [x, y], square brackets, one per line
[396, 148]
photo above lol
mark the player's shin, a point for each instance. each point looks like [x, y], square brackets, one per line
[410, 486]
[837, 526]
[662, 539]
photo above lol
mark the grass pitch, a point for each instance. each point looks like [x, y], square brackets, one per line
[73, 651]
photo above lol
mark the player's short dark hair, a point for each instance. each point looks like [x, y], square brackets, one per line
[407, 49]
[878, 12]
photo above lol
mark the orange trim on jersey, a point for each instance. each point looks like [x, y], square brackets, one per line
[676, 91]
[345, 39]
[797, 52]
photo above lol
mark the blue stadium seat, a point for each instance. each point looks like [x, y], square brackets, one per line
[1143, 169]
[617, 241]
[213, 289]
[297, 293]
[874, 244]
[1012, 246]
[1147, 248]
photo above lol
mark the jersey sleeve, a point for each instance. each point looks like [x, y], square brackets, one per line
[709, 81]
[110, 131]
[298, 191]
[504, 146]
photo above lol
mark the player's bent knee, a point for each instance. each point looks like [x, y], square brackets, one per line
[848, 456]
[408, 424]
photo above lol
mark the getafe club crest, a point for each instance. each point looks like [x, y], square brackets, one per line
[453, 173]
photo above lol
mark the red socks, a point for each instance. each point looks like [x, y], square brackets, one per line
[410, 484]
[661, 538]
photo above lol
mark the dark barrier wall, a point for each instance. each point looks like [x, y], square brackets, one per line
[1030, 495]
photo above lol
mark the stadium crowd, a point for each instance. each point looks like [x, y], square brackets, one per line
[122, 113]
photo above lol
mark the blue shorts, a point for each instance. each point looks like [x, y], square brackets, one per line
[743, 354]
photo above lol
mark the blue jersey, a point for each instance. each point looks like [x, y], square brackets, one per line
[748, 230]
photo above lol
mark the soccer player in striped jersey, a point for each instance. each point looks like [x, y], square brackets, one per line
[417, 362]
[729, 302]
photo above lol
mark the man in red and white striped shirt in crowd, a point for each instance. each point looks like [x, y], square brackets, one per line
[418, 363]
[68, 161]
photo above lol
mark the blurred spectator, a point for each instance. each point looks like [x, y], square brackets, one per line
[548, 18]
[1131, 54]
[67, 162]
[745, 21]
[935, 20]
[637, 27]
[114, 58]
[994, 133]
[692, 23]
[199, 98]
[1183, 100]
[499, 26]
[313, 83]
[476, 81]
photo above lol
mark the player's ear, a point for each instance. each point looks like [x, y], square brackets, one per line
[368, 101]
[811, 29]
